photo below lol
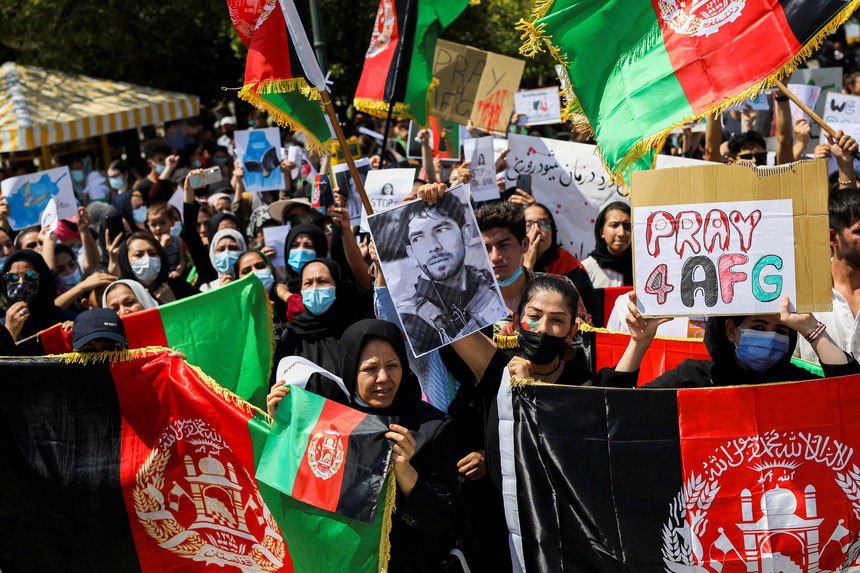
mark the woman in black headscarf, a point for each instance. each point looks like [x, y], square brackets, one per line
[375, 371]
[143, 259]
[610, 264]
[753, 349]
[30, 288]
[303, 244]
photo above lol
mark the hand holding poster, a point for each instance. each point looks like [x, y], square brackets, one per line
[735, 241]
[480, 152]
[540, 107]
[346, 187]
[437, 270]
[28, 196]
[259, 150]
[274, 237]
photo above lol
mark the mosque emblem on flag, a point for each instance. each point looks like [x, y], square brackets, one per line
[383, 30]
[326, 453]
[193, 497]
[699, 17]
[778, 502]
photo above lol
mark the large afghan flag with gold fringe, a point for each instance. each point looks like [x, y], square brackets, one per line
[272, 80]
[398, 65]
[640, 68]
[135, 461]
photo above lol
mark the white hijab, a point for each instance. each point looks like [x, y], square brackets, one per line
[233, 234]
[143, 297]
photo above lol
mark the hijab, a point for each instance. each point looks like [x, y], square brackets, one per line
[727, 371]
[43, 312]
[320, 246]
[622, 264]
[352, 342]
[125, 266]
[216, 220]
[143, 297]
[213, 244]
[258, 218]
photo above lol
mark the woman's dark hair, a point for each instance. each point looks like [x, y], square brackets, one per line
[255, 252]
[121, 166]
[503, 214]
[601, 218]
[552, 226]
[545, 283]
[125, 264]
[61, 248]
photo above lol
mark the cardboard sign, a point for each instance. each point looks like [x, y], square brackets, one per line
[841, 108]
[808, 95]
[731, 240]
[714, 258]
[480, 152]
[28, 196]
[387, 188]
[260, 152]
[274, 237]
[570, 179]
[540, 107]
[476, 85]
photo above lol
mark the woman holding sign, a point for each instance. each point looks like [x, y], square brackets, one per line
[752, 349]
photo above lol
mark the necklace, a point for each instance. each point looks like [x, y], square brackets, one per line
[553, 371]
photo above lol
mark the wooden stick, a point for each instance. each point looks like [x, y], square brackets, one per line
[335, 124]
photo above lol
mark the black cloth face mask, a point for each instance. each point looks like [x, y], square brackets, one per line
[22, 292]
[540, 348]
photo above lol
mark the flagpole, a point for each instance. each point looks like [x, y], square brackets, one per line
[353, 170]
[806, 109]
[385, 135]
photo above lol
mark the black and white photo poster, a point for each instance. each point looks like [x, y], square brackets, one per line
[437, 270]
[346, 186]
[387, 188]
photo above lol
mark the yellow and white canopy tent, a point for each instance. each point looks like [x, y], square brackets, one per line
[39, 107]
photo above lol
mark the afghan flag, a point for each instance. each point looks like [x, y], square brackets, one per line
[226, 332]
[398, 65]
[640, 68]
[725, 480]
[137, 462]
[272, 83]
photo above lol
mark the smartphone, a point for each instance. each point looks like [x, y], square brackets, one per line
[207, 177]
[114, 226]
[524, 182]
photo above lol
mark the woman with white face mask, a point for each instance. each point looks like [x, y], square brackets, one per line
[225, 248]
[142, 258]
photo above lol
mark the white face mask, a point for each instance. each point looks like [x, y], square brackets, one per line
[146, 269]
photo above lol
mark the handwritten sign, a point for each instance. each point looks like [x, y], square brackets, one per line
[761, 102]
[386, 188]
[828, 79]
[28, 196]
[539, 107]
[476, 85]
[274, 237]
[841, 108]
[808, 95]
[260, 152]
[569, 178]
[714, 258]
[480, 152]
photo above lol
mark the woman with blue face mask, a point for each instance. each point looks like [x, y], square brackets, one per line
[224, 251]
[304, 243]
[753, 349]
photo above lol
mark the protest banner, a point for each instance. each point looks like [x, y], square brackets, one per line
[387, 188]
[828, 79]
[540, 107]
[760, 102]
[260, 152]
[274, 237]
[29, 195]
[476, 85]
[731, 240]
[841, 108]
[570, 179]
[808, 94]
[480, 152]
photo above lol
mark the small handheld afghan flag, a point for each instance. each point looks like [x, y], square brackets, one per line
[401, 51]
[270, 82]
[663, 63]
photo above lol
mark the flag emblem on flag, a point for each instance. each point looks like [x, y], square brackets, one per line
[702, 17]
[325, 453]
[192, 500]
[384, 30]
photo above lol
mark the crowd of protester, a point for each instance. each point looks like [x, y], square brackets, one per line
[130, 248]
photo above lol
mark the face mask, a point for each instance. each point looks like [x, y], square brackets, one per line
[159, 169]
[221, 161]
[299, 258]
[139, 214]
[146, 269]
[77, 175]
[265, 276]
[512, 279]
[225, 260]
[761, 350]
[176, 230]
[540, 348]
[72, 279]
[195, 163]
[22, 292]
[318, 300]
[116, 183]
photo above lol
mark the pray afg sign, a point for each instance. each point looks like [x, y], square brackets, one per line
[731, 240]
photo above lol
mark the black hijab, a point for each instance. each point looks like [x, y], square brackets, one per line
[216, 220]
[622, 264]
[43, 312]
[294, 279]
[125, 266]
[726, 371]
[546, 259]
[408, 395]
[334, 321]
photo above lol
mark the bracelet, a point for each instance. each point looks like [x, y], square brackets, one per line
[845, 183]
[782, 98]
[816, 332]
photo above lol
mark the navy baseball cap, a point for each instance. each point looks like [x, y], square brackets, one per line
[97, 324]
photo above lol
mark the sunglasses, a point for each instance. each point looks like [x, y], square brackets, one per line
[29, 276]
[760, 158]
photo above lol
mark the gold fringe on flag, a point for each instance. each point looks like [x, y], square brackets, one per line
[378, 108]
[388, 513]
[536, 40]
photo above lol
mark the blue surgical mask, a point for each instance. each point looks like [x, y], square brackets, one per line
[225, 260]
[761, 350]
[176, 229]
[77, 175]
[266, 277]
[299, 258]
[196, 164]
[146, 270]
[116, 183]
[139, 214]
[72, 279]
[511, 279]
[318, 300]
[159, 169]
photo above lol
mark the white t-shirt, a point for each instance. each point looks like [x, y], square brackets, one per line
[600, 277]
[842, 326]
